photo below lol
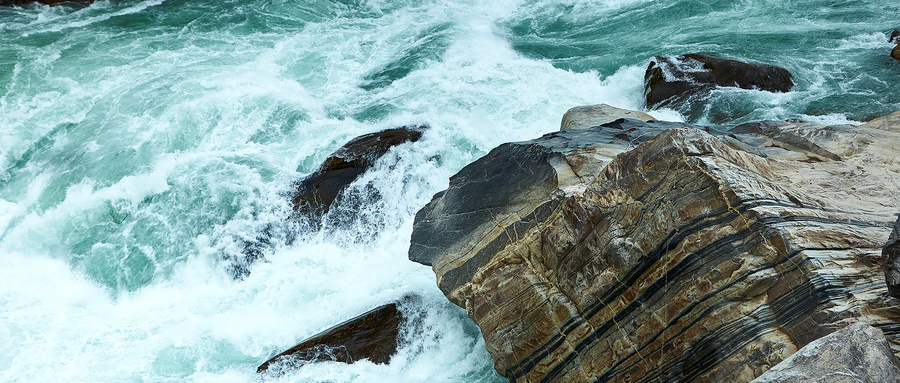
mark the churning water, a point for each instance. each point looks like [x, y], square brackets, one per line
[143, 144]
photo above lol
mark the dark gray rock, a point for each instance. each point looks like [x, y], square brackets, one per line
[891, 261]
[672, 80]
[895, 37]
[857, 353]
[374, 335]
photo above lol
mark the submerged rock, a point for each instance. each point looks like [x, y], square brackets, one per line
[857, 353]
[694, 257]
[372, 335]
[318, 191]
[672, 80]
[895, 37]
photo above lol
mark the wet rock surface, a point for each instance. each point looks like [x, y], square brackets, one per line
[316, 192]
[691, 255]
[857, 353]
[372, 335]
[672, 80]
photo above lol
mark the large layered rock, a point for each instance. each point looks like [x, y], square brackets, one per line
[857, 353]
[672, 80]
[372, 335]
[691, 258]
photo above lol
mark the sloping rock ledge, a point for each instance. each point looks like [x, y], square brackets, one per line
[651, 251]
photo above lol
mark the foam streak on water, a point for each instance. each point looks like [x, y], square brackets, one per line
[144, 143]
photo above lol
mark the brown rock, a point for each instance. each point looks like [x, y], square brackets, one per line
[895, 53]
[318, 191]
[691, 258]
[672, 80]
[372, 335]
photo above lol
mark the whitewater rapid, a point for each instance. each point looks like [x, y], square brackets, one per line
[143, 142]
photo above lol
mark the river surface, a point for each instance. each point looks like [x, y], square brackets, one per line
[144, 144]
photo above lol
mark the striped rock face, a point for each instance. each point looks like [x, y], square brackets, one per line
[690, 258]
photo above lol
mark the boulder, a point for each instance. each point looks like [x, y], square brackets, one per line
[672, 80]
[857, 353]
[895, 37]
[319, 190]
[582, 117]
[372, 335]
[891, 258]
[314, 195]
[696, 256]
[895, 53]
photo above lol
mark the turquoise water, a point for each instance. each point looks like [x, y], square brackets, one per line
[143, 143]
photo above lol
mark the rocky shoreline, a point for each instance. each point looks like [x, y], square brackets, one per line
[624, 248]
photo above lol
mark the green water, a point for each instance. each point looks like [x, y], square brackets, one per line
[144, 143]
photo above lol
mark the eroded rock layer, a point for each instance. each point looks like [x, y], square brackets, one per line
[690, 258]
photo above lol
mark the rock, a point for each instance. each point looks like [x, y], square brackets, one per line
[315, 194]
[857, 353]
[480, 191]
[895, 53]
[895, 37]
[318, 191]
[582, 117]
[672, 80]
[696, 256]
[372, 335]
[891, 258]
